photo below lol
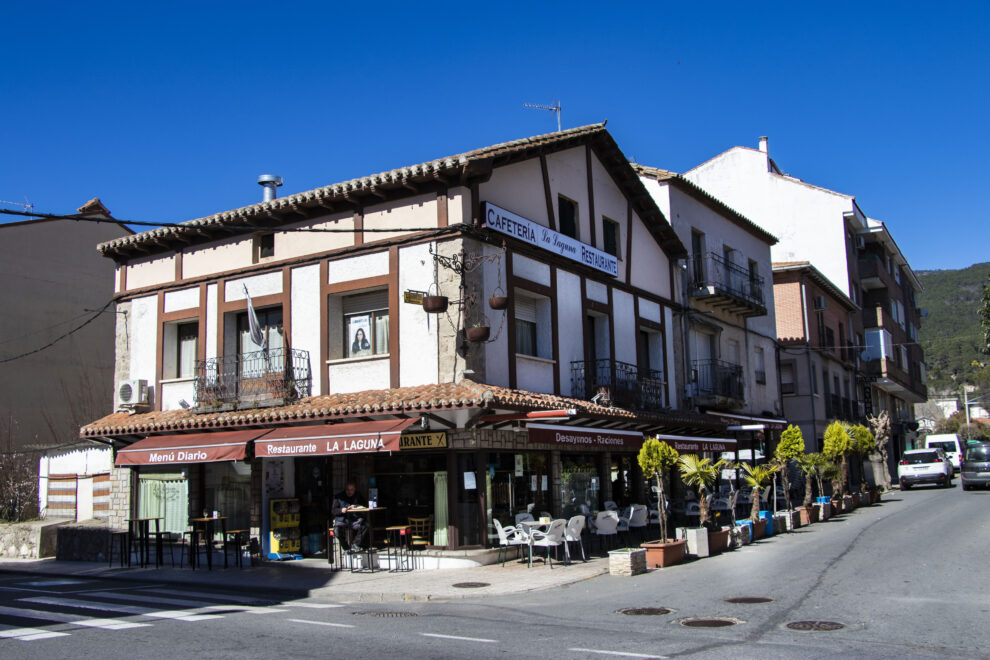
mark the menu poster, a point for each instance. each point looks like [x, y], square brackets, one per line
[519, 465]
[543, 484]
[359, 335]
[470, 483]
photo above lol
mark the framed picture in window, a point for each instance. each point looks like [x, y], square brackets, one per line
[359, 335]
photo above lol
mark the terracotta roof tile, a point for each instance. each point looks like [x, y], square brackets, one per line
[398, 401]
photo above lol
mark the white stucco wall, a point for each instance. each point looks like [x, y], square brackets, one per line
[412, 213]
[569, 177]
[624, 313]
[458, 206]
[305, 310]
[150, 271]
[265, 284]
[292, 244]
[417, 329]
[181, 299]
[596, 291]
[216, 257]
[530, 269]
[534, 374]
[212, 309]
[670, 370]
[359, 375]
[569, 316]
[807, 220]
[650, 310]
[518, 188]
[497, 348]
[176, 390]
[356, 268]
[144, 338]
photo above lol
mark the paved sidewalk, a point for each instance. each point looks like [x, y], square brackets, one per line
[311, 578]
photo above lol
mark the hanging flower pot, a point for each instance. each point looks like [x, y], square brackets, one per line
[435, 304]
[497, 301]
[478, 333]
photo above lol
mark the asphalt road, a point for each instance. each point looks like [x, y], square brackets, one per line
[905, 579]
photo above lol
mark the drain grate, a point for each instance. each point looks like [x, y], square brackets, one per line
[814, 626]
[471, 585]
[645, 611]
[749, 600]
[712, 622]
[386, 614]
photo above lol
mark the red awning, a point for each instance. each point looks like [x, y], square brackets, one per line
[350, 438]
[683, 443]
[189, 448]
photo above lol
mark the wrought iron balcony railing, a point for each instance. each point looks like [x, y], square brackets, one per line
[712, 275]
[718, 378]
[252, 380]
[626, 385]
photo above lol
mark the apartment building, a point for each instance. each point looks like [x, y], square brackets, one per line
[728, 331]
[855, 253]
[466, 338]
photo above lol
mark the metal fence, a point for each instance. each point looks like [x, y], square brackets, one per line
[260, 378]
[718, 378]
[712, 270]
[625, 384]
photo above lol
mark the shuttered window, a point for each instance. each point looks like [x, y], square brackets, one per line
[366, 323]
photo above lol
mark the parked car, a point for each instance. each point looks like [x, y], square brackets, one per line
[949, 443]
[924, 466]
[975, 470]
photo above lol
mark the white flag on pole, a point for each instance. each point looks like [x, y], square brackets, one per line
[257, 336]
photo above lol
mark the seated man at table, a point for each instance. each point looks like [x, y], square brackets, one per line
[345, 519]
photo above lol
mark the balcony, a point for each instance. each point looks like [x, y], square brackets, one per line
[260, 379]
[719, 384]
[726, 286]
[625, 385]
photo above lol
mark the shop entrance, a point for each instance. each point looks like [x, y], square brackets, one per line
[314, 493]
[517, 483]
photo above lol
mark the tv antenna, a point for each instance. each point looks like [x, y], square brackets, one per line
[28, 206]
[555, 108]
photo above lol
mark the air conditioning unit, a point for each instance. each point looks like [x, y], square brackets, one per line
[132, 393]
[819, 303]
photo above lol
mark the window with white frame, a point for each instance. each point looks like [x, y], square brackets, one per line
[532, 325]
[179, 349]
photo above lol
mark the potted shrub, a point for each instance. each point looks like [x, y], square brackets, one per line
[836, 448]
[701, 474]
[808, 510]
[757, 478]
[655, 458]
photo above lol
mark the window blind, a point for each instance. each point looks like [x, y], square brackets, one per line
[366, 302]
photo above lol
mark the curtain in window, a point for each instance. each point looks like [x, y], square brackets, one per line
[166, 497]
[187, 351]
[440, 508]
[381, 334]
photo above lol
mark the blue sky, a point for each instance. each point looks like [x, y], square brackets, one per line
[170, 112]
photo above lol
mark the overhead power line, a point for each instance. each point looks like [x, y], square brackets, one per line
[60, 337]
[180, 225]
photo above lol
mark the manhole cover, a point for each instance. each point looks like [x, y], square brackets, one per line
[716, 622]
[809, 626]
[471, 585]
[645, 611]
[386, 614]
[749, 600]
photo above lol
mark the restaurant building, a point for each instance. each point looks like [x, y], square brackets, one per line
[467, 338]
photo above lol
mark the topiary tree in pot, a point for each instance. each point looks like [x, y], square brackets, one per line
[836, 448]
[757, 478]
[790, 448]
[862, 446]
[655, 458]
[700, 474]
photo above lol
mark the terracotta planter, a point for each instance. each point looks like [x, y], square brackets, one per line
[660, 555]
[498, 302]
[808, 514]
[759, 529]
[718, 541]
[435, 304]
[478, 333]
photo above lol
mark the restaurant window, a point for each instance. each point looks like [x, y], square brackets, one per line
[227, 490]
[580, 484]
[567, 210]
[365, 324]
[179, 349]
[518, 483]
[532, 325]
[610, 236]
[164, 493]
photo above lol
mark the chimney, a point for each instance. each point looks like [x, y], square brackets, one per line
[269, 182]
[763, 143]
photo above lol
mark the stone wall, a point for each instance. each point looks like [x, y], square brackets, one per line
[121, 480]
[29, 540]
[85, 541]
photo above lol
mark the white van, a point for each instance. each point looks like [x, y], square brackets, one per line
[949, 443]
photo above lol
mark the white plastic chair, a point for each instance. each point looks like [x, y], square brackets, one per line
[507, 538]
[573, 534]
[639, 518]
[553, 537]
[611, 506]
[606, 524]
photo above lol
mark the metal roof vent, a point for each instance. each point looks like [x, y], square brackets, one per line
[269, 182]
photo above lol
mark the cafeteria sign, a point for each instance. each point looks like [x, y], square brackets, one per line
[510, 224]
[423, 441]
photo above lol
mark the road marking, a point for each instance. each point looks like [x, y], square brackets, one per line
[184, 602]
[463, 639]
[323, 623]
[620, 653]
[52, 583]
[184, 615]
[63, 617]
[247, 600]
[314, 606]
[30, 634]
